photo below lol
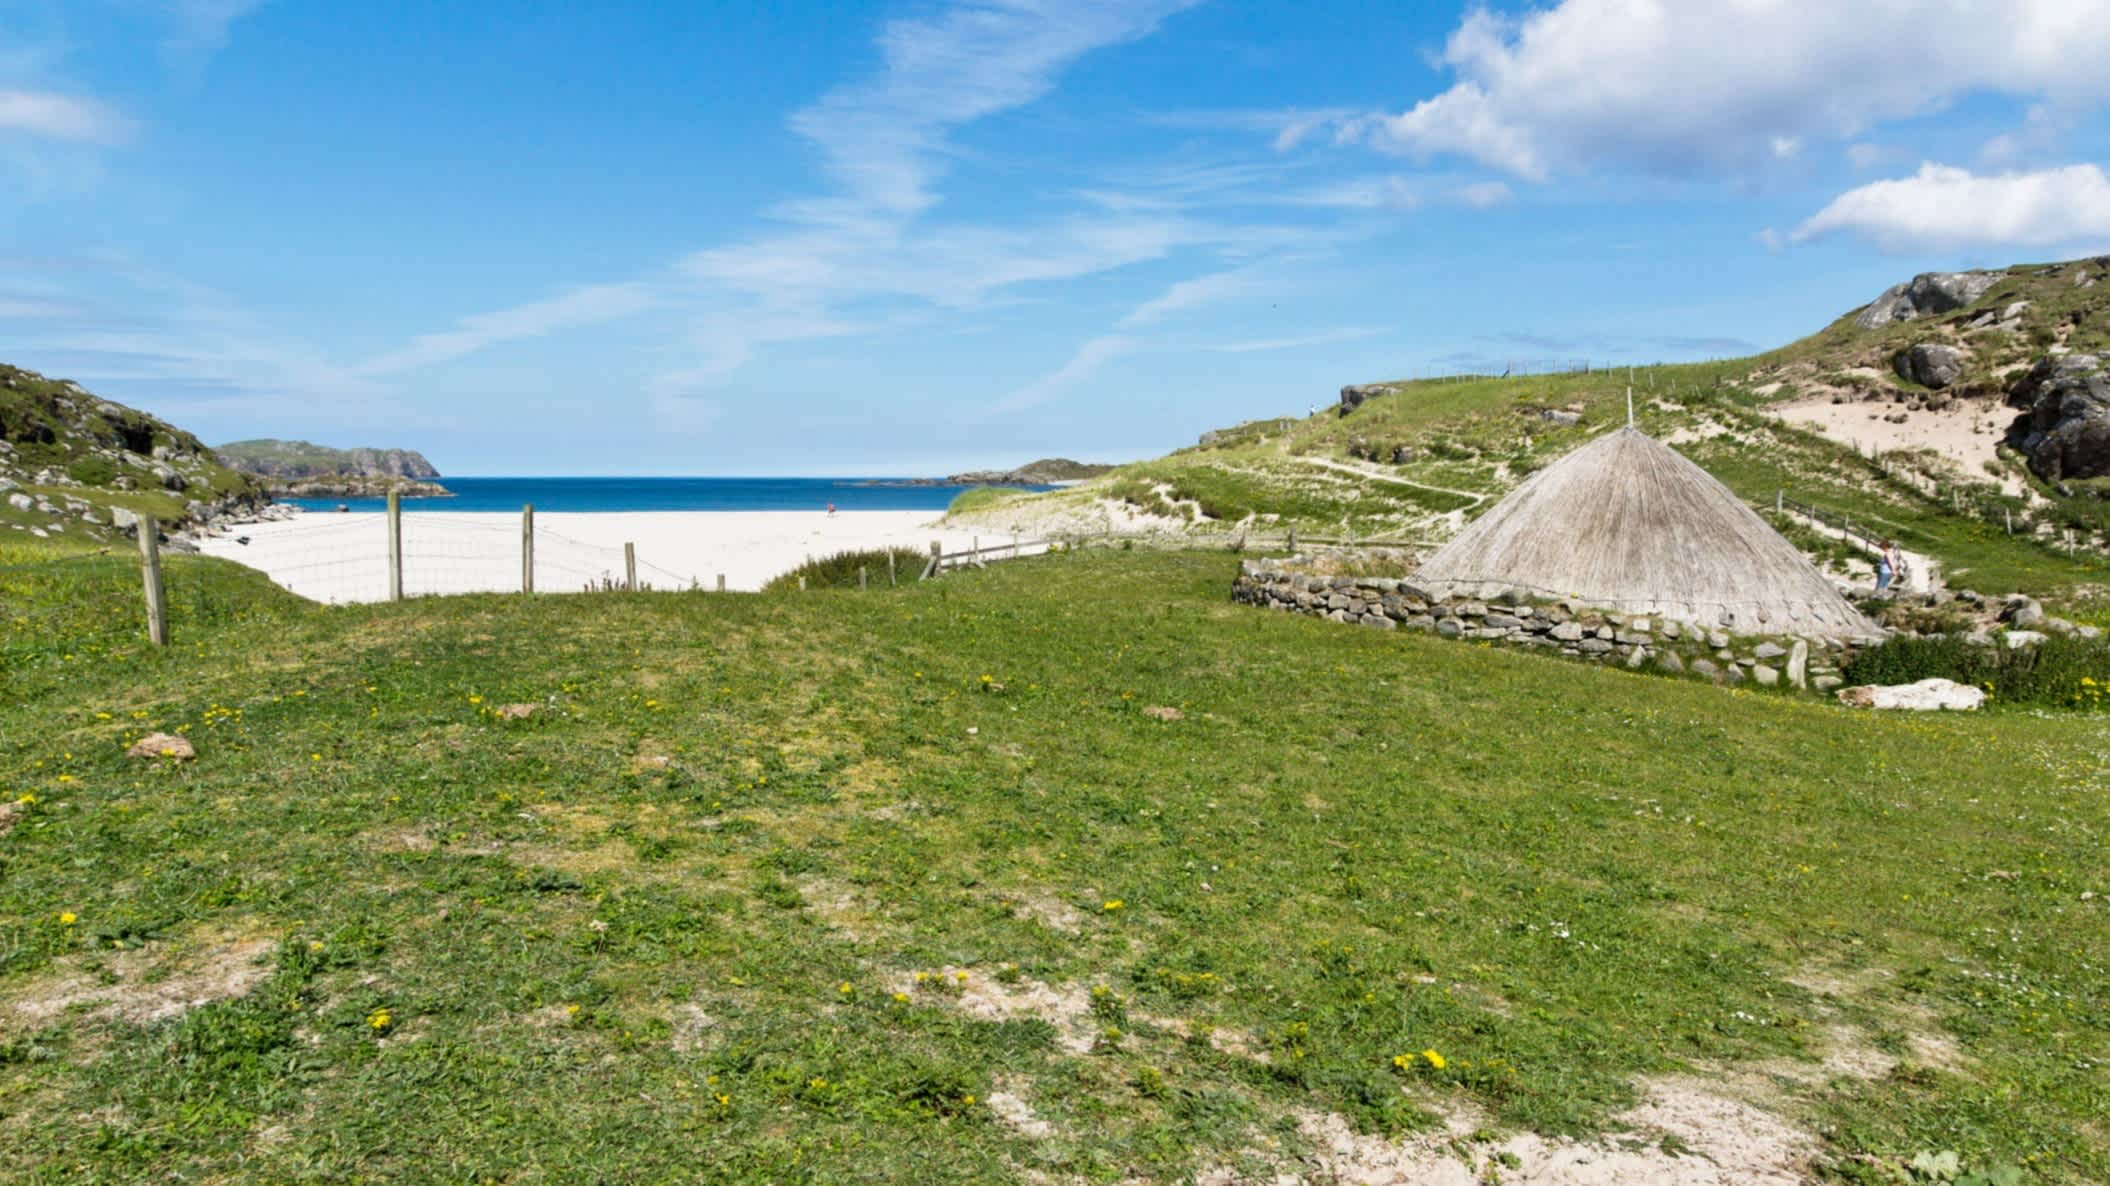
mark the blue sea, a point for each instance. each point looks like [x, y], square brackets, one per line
[663, 494]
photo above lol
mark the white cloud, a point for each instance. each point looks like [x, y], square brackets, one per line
[1193, 294]
[1864, 156]
[54, 116]
[201, 28]
[1944, 208]
[1325, 337]
[582, 306]
[1082, 365]
[1482, 195]
[1679, 86]
[882, 138]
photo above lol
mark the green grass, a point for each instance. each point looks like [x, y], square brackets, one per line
[1353, 845]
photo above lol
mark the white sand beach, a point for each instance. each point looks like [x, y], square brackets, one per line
[334, 557]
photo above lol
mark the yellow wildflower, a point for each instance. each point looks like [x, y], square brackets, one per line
[67, 918]
[1112, 904]
[380, 1019]
[1435, 1059]
[1402, 1061]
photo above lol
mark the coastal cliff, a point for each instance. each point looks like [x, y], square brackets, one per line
[302, 469]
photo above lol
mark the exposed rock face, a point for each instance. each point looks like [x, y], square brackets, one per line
[1926, 294]
[1353, 397]
[2065, 432]
[1929, 364]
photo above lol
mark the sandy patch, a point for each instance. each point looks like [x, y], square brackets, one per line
[1968, 432]
[1012, 1109]
[10, 813]
[145, 985]
[1068, 1008]
[692, 1027]
[1684, 1133]
[1047, 910]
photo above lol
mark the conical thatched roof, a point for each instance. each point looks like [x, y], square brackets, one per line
[1626, 524]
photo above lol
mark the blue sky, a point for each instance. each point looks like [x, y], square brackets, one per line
[905, 237]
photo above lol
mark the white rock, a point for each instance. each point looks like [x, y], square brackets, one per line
[1926, 695]
[2017, 639]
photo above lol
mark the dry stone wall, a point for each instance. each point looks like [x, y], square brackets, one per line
[1557, 627]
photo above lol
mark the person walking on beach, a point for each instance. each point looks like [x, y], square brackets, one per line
[831, 510]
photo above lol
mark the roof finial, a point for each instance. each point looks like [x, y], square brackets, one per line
[1630, 407]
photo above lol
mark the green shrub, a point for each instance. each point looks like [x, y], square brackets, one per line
[839, 571]
[2060, 672]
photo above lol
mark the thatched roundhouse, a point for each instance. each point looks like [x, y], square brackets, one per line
[1626, 524]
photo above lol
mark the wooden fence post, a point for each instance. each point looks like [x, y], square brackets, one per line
[2008, 514]
[890, 578]
[1780, 501]
[527, 548]
[630, 567]
[1293, 540]
[395, 545]
[861, 588]
[150, 566]
[721, 582]
[802, 584]
[937, 559]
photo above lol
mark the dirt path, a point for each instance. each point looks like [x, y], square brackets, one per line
[1922, 572]
[1373, 475]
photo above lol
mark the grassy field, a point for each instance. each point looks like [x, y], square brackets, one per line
[670, 926]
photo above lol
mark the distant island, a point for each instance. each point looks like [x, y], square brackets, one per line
[302, 469]
[1048, 471]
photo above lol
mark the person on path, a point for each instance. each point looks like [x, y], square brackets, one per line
[831, 508]
[1886, 566]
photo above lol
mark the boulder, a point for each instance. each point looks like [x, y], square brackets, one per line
[1929, 364]
[1353, 397]
[1799, 663]
[1768, 650]
[1766, 676]
[1924, 696]
[2065, 430]
[1926, 294]
[2017, 639]
[1567, 631]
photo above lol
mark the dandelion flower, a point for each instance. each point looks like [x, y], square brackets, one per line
[901, 998]
[844, 988]
[67, 918]
[1402, 1061]
[1435, 1059]
[1112, 904]
[380, 1019]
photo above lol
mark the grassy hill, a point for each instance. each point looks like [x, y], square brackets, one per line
[302, 459]
[67, 458]
[702, 915]
[1415, 462]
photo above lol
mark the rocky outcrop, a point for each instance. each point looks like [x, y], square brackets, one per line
[1927, 294]
[1046, 471]
[2065, 429]
[72, 462]
[1929, 364]
[301, 459]
[1354, 397]
[355, 486]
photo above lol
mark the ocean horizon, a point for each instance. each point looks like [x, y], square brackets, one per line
[620, 494]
